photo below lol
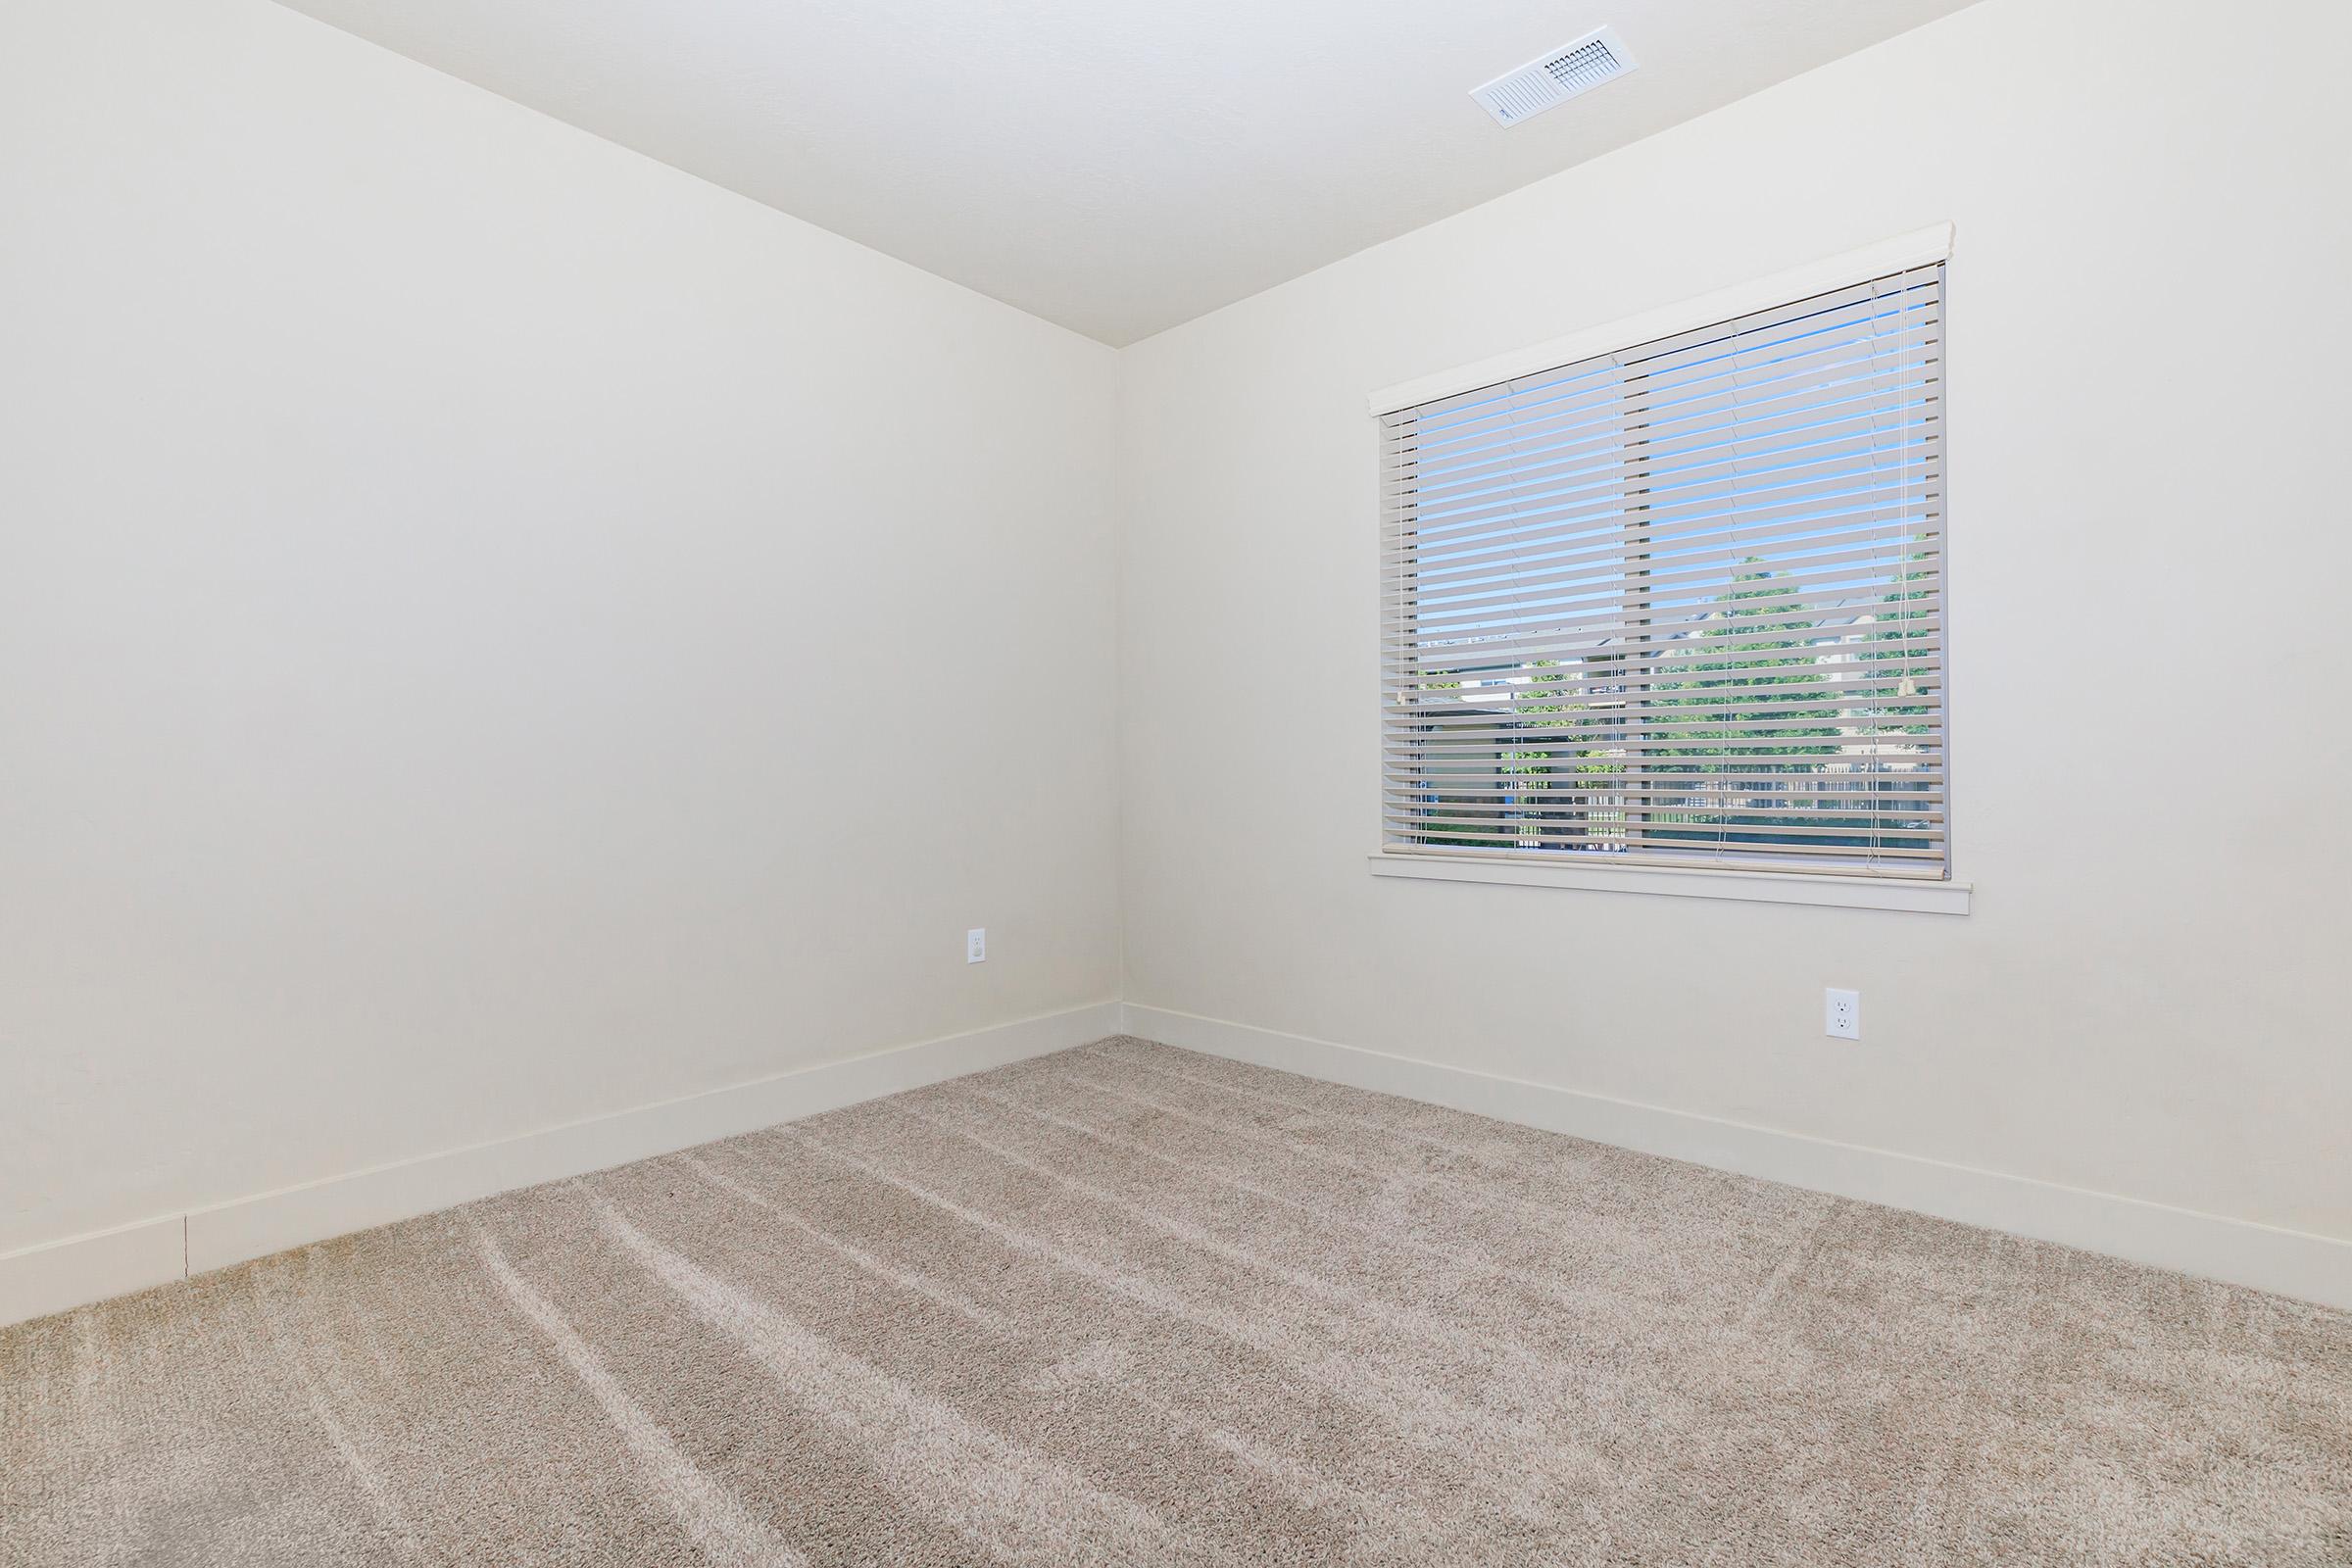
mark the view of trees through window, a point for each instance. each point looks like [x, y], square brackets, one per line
[1760, 729]
[1682, 602]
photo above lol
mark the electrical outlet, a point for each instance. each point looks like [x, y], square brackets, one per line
[1844, 1014]
[975, 947]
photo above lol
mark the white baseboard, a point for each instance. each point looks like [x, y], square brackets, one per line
[2314, 1268]
[58, 1275]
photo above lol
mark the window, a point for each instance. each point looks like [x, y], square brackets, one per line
[1681, 604]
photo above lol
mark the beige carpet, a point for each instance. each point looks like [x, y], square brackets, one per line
[1133, 1305]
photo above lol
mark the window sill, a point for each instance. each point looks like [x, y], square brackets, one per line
[1689, 882]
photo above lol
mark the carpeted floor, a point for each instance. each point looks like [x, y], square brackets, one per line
[1133, 1305]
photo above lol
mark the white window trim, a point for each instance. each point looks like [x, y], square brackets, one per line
[1921, 895]
[1918, 248]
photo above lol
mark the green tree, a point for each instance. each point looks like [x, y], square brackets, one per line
[1757, 645]
[1747, 699]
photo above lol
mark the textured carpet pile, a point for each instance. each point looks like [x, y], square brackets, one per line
[1132, 1305]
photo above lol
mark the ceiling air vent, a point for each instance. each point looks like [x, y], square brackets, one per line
[1552, 80]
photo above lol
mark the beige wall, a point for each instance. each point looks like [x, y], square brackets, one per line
[2150, 558]
[494, 630]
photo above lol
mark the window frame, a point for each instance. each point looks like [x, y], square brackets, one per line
[1454, 864]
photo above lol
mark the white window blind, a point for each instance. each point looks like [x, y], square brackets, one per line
[1682, 603]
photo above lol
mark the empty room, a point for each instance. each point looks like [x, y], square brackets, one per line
[1175, 783]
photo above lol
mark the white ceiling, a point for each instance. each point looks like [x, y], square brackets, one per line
[1116, 165]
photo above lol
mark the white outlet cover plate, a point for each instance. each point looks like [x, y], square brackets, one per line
[1842, 1013]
